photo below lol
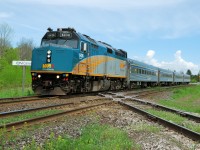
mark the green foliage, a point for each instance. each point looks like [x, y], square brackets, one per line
[186, 99]
[13, 136]
[189, 72]
[15, 92]
[2, 137]
[195, 78]
[92, 137]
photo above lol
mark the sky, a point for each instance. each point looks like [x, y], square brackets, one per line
[163, 33]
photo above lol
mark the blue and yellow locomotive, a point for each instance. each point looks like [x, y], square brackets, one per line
[71, 62]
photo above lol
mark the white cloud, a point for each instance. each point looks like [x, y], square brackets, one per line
[150, 54]
[178, 64]
[5, 15]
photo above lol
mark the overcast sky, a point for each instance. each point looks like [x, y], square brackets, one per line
[164, 33]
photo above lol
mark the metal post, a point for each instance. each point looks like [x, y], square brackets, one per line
[23, 78]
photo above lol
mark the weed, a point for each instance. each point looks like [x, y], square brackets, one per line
[94, 136]
[146, 128]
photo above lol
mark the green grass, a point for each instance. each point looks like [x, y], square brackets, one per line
[186, 99]
[176, 119]
[146, 128]
[94, 136]
[28, 116]
[15, 92]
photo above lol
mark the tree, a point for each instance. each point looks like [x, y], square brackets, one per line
[25, 47]
[5, 37]
[189, 72]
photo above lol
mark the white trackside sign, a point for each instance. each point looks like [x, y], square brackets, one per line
[21, 63]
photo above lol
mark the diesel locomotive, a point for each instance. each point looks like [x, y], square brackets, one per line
[71, 62]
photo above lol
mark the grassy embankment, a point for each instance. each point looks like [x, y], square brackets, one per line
[186, 99]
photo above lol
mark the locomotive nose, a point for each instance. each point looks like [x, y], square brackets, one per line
[47, 84]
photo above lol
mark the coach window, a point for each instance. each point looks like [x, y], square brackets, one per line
[84, 46]
[136, 70]
[142, 71]
[139, 70]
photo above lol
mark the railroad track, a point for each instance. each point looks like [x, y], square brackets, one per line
[181, 129]
[37, 120]
[17, 112]
[4, 101]
[29, 99]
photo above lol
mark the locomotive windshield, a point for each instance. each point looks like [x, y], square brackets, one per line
[64, 38]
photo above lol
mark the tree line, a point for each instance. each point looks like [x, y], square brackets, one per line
[194, 78]
[24, 46]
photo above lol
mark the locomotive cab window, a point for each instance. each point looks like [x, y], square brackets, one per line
[84, 46]
[62, 38]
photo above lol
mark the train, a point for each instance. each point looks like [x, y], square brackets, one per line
[70, 62]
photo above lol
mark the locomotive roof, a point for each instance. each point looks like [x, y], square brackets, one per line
[100, 43]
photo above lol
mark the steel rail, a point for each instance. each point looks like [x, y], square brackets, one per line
[13, 98]
[27, 99]
[6, 114]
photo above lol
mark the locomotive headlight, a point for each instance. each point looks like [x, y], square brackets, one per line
[48, 60]
[49, 52]
[39, 76]
[57, 76]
